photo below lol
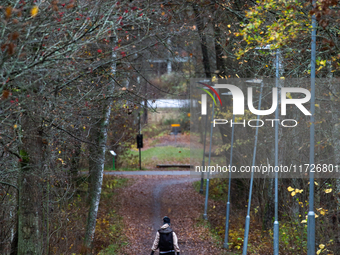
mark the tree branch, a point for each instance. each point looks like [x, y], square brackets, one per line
[6, 183]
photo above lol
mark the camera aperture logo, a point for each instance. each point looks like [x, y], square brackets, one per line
[238, 104]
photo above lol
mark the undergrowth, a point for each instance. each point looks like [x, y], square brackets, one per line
[72, 222]
[259, 241]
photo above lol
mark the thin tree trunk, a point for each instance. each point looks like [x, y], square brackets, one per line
[97, 160]
[199, 24]
[145, 110]
[220, 63]
[270, 206]
[336, 125]
[169, 63]
[96, 164]
[206, 64]
[14, 244]
[335, 139]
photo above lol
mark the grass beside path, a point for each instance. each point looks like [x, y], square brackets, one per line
[164, 155]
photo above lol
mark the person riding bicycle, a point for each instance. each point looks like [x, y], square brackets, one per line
[166, 240]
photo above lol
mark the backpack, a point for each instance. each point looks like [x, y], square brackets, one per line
[166, 242]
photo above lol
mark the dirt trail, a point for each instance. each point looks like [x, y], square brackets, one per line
[144, 204]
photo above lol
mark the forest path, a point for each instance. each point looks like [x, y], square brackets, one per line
[149, 199]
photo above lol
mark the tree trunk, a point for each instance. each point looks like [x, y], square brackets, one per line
[220, 63]
[335, 139]
[96, 165]
[145, 110]
[29, 218]
[29, 211]
[97, 160]
[270, 206]
[199, 24]
[206, 64]
[14, 244]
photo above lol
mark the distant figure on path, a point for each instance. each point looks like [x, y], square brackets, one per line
[166, 240]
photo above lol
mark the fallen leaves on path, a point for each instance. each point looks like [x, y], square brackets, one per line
[144, 204]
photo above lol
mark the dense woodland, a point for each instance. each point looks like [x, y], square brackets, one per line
[75, 74]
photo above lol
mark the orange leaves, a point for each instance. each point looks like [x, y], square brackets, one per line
[8, 12]
[5, 94]
[34, 11]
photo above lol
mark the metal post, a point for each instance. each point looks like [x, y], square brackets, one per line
[140, 152]
[226, 234]
[205, 216]
[311, 214]
[276, 221]
[203, 161]
[140, 159]
[246, 230]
